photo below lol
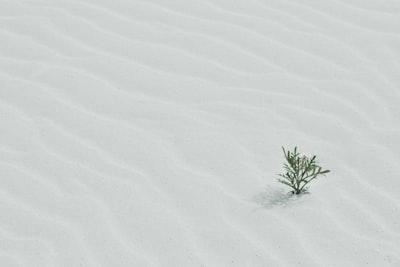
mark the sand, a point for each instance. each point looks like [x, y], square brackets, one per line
[149, 133]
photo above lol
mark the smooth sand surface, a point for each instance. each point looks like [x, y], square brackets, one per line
[149, 133]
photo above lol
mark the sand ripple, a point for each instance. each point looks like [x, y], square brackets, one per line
[148, 133]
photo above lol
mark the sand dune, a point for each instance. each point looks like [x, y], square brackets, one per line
[149, 133]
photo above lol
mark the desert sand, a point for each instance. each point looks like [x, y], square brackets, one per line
[149, 133]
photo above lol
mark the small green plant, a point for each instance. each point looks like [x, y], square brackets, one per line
[300, 170]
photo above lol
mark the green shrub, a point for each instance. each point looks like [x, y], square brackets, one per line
[300, 170]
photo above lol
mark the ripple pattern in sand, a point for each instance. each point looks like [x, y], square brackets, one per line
[148, 133]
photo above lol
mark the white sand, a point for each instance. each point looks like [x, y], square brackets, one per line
[149, 133]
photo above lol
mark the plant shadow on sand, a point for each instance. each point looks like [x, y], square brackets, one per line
[276, 197]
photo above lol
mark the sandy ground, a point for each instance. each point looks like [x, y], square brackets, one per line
[149, 133]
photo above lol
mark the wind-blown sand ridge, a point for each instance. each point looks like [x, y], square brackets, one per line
[149, 133]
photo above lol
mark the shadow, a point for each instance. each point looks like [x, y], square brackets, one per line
[276, 197]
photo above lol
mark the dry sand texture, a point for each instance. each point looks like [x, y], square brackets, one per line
[149, 133]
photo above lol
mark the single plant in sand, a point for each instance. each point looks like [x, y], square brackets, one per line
[300, 170]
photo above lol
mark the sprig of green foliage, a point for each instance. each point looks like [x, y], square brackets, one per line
[300, 170]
